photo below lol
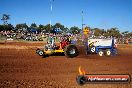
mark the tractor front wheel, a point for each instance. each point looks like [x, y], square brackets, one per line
[41, 53]
[37, 51]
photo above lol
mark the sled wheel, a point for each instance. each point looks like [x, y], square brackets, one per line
[41, 53]
[100, 52]
[108, 52]
[71, 51]
[81, 80]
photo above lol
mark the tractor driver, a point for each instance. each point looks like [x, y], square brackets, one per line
[51, 41]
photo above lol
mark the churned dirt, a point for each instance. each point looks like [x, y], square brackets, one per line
[21, 67]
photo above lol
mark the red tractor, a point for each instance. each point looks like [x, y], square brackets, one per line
[70, 50]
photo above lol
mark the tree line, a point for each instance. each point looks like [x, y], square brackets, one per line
[49, 28]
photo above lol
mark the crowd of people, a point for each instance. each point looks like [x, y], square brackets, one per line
[33, 36]
[30, 36]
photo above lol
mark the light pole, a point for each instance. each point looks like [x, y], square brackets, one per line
[82, 20]
[51, 8]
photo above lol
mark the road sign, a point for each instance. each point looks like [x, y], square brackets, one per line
[86, 30]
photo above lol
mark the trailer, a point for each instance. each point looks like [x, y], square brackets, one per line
[101, 47]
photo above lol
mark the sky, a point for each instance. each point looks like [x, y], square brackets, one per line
[103, 14]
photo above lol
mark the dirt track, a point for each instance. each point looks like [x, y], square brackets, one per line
[21, 67]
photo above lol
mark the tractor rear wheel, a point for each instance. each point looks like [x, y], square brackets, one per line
[71, 51]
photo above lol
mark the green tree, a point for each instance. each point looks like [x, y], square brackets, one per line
[75, 30]
[130, 34]
[1, 27]
[41, 28]
[6, 27]
[59, 25]
[10, 27]
[98, 32]
[21, 26]
[105, 34]
[125, 33]
[47, 28]
[66, 30]
[33, 25]
[114, 32]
